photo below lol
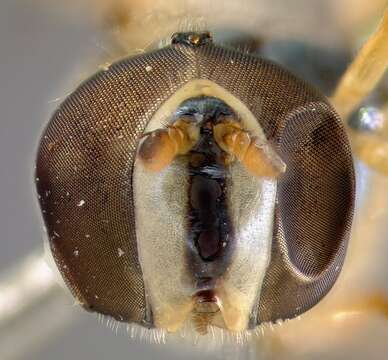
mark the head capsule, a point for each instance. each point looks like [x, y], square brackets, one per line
[196, 183]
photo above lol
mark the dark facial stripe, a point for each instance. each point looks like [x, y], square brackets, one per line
[207, 198]
[210, 230]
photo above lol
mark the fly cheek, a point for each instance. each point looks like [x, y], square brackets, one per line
[118, 232]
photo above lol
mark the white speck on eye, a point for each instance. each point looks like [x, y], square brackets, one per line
[81, 203]
[67, 193]
[37, 179]
[76, 252]
[120, 252]
[148, 68]
[96, 296]
[87, 236]
[232, 61]
[224, 244]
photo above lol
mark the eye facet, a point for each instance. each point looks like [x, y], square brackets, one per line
[216, 188]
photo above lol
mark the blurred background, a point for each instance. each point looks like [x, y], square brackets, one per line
[47, 48]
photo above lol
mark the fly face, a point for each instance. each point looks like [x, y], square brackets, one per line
[220, 211]
[196, 183]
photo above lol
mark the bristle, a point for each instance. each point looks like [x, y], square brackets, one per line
[195, 331]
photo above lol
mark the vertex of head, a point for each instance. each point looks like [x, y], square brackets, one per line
[193, 39]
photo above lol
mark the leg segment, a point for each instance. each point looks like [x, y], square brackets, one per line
[364, 73]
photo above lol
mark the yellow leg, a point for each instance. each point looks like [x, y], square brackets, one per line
[371, 149]
[377, 303]
[364, 73]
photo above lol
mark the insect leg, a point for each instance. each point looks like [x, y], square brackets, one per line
[365, 71]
